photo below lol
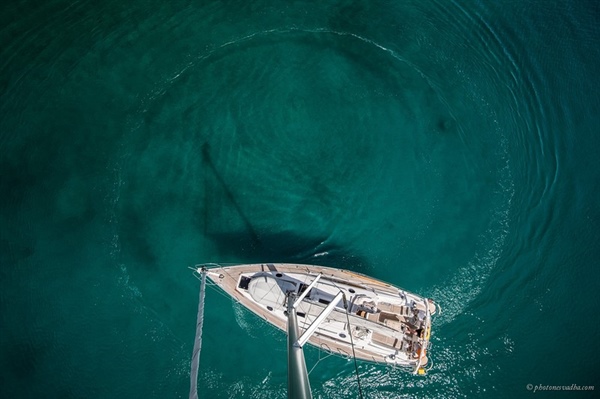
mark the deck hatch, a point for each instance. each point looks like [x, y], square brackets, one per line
[244, 281]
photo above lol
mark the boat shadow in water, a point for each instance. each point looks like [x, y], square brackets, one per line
[248, 244]
[284, 247]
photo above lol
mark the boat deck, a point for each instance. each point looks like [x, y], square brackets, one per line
[377, 337]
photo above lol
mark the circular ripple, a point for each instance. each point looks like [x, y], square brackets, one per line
[319, 147]
[312, 137]
[325, 146]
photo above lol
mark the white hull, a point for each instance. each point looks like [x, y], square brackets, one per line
[386, 324]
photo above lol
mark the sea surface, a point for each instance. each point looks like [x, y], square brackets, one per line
[449, 147]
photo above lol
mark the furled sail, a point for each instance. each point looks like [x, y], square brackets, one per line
[198, 340]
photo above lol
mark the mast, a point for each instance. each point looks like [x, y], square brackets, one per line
[298, 383]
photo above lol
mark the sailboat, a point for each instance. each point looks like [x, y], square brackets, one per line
[338, 311]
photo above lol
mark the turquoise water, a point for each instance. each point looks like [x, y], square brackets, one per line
[446, 147]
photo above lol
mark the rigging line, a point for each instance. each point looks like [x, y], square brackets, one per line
[319, 360]
[352, 344]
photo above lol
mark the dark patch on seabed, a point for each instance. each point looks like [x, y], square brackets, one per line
[22, 358]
